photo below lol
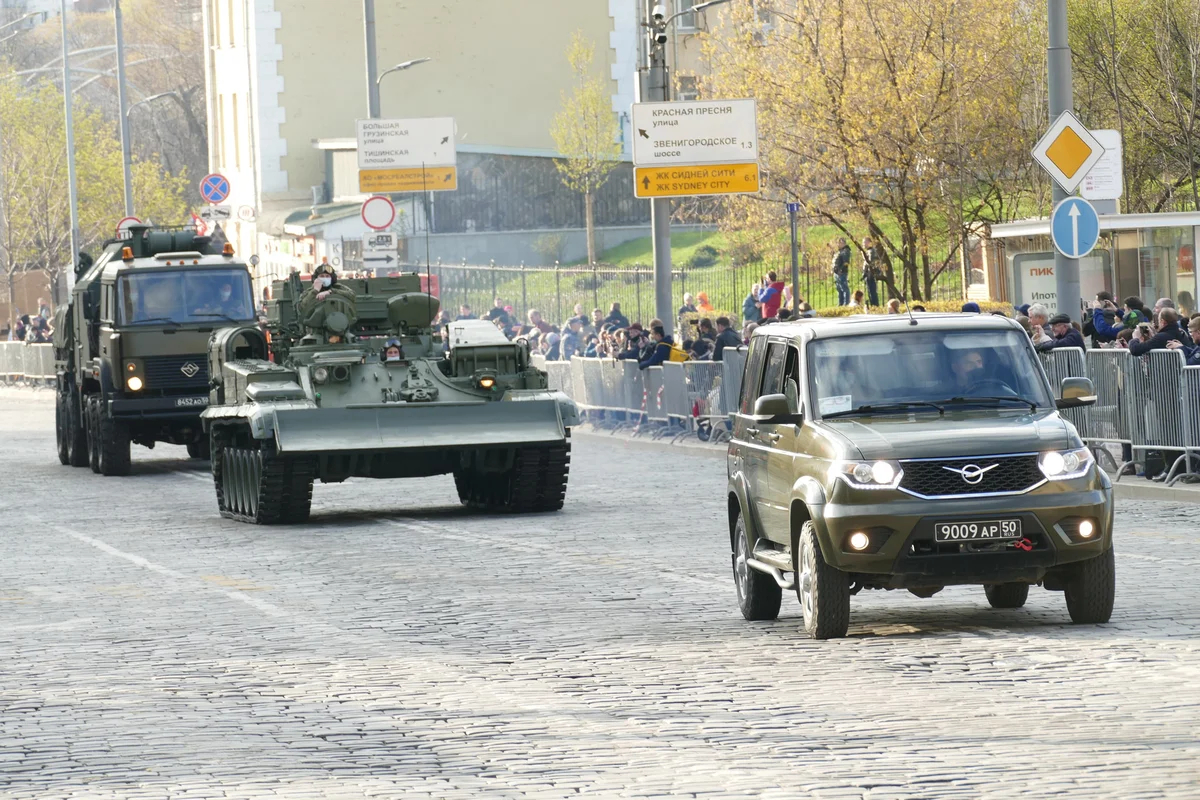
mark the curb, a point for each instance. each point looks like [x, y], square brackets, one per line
[1145, 490]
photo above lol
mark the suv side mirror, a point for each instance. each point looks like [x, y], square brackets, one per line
[775, 409]
[1076, 392]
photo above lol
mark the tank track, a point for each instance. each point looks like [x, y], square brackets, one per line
[255, 485]
[537, 482]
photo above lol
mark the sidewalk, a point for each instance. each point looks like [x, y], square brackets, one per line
[1128, 488]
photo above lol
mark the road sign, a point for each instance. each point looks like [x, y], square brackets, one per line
[1104, 181]
[247, 213]
[433, 179]
[216, 213]
[400, 143]
[1075, 227]
[793, 208]
[214, 188]
[378, 212]
[694, 181]
[123, 226]
[379, 249]
[695, 132]
[1068, 151]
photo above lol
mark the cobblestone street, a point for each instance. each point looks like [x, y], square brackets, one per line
[398, 645]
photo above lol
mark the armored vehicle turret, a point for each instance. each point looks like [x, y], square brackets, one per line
[350, 380]
[130, 344]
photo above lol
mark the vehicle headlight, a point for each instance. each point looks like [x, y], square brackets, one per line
[134, 384]
[320, 375]
[1060, 465]
[868, 474]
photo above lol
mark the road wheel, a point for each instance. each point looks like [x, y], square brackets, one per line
[199, 449]
[61, 431]
[76, 429]
[1006, 595]
[758, 594]
[1091, 588]
[824, 591]
[112, 443]
[93, 437]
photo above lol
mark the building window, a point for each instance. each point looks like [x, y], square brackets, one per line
[688, 88]
[686, 21]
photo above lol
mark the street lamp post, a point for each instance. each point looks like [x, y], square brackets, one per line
[76, 236]
[1061, 98]
[655, 87]
[122, 105]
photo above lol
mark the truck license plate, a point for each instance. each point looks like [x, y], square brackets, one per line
[186, 402]
[977, 531]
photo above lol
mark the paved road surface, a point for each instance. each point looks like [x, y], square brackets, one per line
[399, 646]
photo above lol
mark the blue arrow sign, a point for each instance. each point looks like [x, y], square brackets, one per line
[1074, 227]
[214, 188]
[792, 208]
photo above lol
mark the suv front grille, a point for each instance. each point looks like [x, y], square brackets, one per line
[175, 373]
[977, 475]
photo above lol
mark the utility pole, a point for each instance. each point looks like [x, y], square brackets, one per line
[1061, 98]
[76, 236]
[123, 110]
[372, 63]
[655, 87]
[792, 208]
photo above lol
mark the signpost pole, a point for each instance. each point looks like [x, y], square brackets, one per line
[656, 88]
[795, 261]
[1058, 65]
[372, 63]
[123, 110]
[76, 236]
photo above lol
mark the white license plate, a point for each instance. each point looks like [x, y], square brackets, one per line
[188, 402]
[984, 530]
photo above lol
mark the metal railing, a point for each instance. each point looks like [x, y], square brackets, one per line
[26, 363]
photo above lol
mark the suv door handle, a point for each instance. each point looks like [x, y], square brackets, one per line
[752, 431]
[774, 437]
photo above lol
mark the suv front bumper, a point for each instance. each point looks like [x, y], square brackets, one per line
[903, 552]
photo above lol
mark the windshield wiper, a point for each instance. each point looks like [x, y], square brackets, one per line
[1010, 398]
[154, 319]
[222, 316]
[868, 409]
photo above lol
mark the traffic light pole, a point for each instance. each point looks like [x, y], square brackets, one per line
[1061, 98]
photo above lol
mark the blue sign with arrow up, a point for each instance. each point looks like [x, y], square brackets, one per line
[1075, 227]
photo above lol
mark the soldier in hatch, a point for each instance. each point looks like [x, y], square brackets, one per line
[324, 285]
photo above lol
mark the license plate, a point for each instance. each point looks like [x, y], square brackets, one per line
[188, 402]
[985, 530]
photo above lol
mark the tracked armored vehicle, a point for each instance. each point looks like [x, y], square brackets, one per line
[315, 398]
[130, 345]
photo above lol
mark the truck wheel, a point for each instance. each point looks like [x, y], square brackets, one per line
[198, 449]
[76, 429]
[759, 596]
[112, 443]
[93, 436]
[1091, 588]
[61, 433]
[824, 591]
[1006, 595]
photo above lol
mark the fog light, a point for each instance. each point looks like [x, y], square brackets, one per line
[134, 384]
[320, 375]
[1086, 529]
[859, 540]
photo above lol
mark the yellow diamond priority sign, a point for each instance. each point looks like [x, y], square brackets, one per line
[1068, 151]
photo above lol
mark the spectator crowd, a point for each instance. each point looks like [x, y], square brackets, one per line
[30, 328]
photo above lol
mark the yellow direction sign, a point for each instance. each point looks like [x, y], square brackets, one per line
[1068, 151]
[432, 179]
[694, 181]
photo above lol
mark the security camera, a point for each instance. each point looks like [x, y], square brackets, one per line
[661, 37]
[658, 12]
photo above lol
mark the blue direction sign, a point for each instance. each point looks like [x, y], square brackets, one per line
[792, 208]
[1075, 227]
[214, 188]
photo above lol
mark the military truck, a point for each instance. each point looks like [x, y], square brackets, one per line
[316, 398]
[130, 344]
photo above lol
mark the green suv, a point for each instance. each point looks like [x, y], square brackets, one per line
[911, 453]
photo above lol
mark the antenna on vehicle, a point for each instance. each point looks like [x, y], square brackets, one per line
[911, 319]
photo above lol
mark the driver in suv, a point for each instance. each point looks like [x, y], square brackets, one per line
[892, 453]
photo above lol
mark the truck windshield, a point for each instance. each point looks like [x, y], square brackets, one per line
[185, 296]
[928, 371]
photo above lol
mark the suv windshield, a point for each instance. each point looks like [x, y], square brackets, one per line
[185, 296]
[924, 371]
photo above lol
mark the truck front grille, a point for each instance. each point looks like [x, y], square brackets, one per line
[176, 373]
[976, 475]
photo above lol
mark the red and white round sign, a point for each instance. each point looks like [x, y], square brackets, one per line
[123, 226]
[378, 212]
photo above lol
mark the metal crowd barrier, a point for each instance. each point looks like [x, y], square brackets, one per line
[26, 362]
[1068, 362]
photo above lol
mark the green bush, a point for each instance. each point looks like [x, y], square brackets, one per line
[704, 256]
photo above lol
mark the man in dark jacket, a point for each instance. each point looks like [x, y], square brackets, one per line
[726, 337]
[1191, 353]
[662, 348]
[1168, 331]
[841, 271]
[615, 316]
[1065, 334]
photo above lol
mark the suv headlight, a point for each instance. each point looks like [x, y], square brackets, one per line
[868, 474]
[1061, 465]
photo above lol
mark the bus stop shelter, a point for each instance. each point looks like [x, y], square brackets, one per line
[1147, 255]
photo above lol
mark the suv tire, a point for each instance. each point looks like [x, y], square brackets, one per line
[1090, 589]
[759, 596]
[824, 592]
[1006, 595]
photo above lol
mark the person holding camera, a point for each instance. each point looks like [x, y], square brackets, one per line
[1108, 313]
[1132, 314]
[1145, 339]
